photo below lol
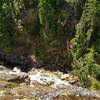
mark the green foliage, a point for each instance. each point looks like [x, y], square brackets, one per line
[84, 30]
[83, 44]
[5, 25]
[95, 84]
[79, 6]
[53, 18]
[42, 11]
[42, 46]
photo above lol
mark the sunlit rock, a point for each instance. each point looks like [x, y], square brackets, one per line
[65, 76]
[2, 93]
[2, 68]
[17, 70]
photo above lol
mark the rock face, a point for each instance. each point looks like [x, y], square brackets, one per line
[25, 63]
[14, 75]
[6, 74]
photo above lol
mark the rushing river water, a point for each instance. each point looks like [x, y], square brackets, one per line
[43, 84]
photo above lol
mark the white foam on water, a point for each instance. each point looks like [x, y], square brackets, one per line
[44, 79]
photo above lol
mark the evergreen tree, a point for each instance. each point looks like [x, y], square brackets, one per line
[83, 43]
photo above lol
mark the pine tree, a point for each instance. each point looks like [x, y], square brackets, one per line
[83, 43]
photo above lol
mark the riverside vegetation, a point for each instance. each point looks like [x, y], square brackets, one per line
[61, 34]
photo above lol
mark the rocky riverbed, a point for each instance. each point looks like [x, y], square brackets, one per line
[41, 84]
